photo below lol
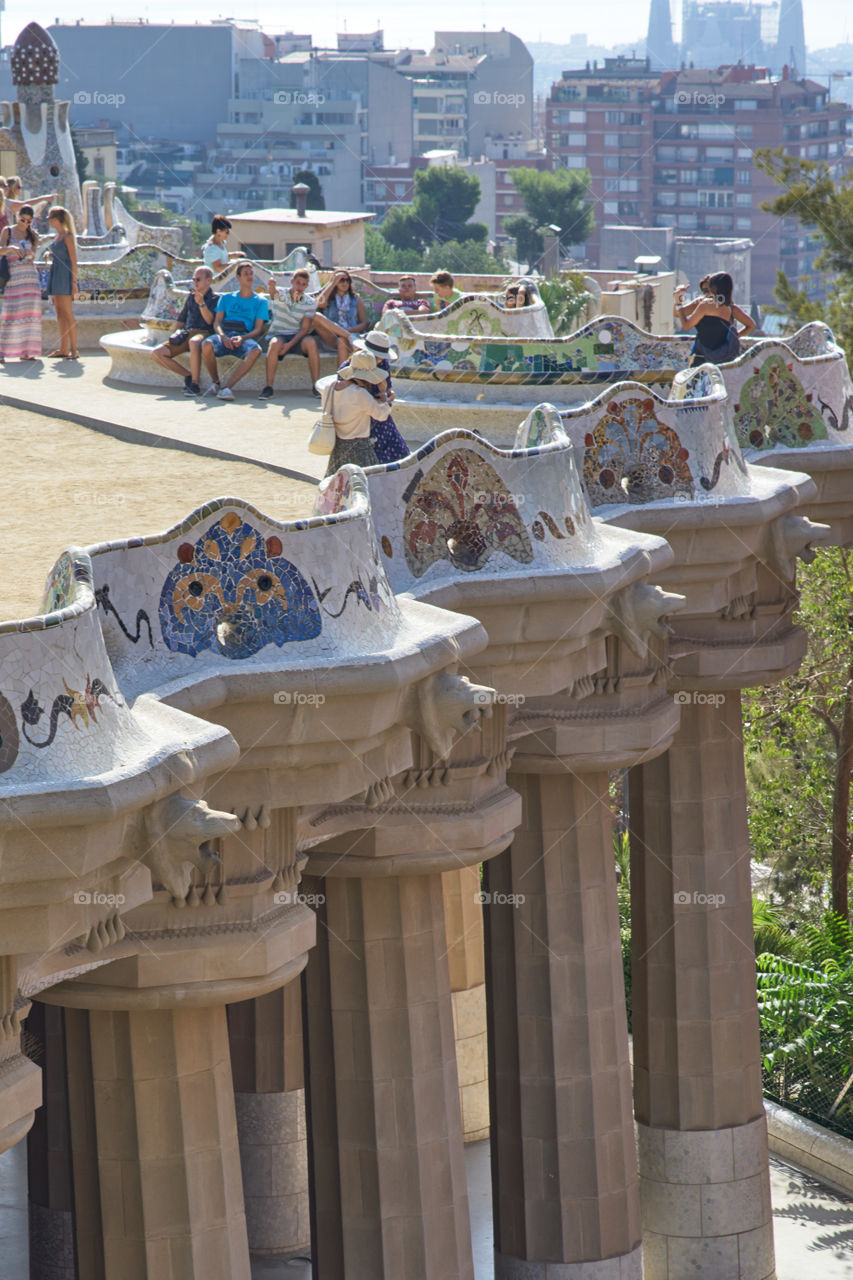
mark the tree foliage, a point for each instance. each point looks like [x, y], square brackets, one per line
[798, 739]
[528, 238]
[565, 299]
[445, 198]
[825, 207]
[469, 257]
[561, 198]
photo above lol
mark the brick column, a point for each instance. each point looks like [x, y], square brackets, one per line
[564, 1180]
[390, 1195]
[697, 1067]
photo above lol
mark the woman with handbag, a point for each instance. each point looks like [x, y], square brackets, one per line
[20, 326]
[348, 404]
[715, 319]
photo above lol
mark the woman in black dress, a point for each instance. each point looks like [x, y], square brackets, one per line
[715, 319]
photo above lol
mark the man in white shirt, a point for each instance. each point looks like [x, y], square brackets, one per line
[294, 320]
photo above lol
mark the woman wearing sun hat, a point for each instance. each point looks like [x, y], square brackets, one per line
[387, 441]
[353, 407]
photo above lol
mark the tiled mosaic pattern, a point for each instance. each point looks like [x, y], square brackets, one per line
[635, 447]
[461, 506]
[543, 425]
[229, 584]
[478, 315]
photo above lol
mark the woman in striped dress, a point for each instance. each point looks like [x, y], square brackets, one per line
[20, 326]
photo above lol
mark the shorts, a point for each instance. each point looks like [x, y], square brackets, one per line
[246, 345]
[296, 349]
[179, 342]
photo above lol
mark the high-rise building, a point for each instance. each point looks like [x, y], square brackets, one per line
[661, 49]
[715, 32]
[678, 150]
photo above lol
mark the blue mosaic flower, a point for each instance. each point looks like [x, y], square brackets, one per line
[234, 592]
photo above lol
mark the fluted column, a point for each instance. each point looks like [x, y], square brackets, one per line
[389, 1174]
[697, 1064]
[564, 1180]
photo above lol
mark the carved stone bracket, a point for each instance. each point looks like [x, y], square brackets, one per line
[178, 831]
[792, 538]
[639, 611]
[444, 705]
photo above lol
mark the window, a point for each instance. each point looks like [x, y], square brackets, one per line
[611, 162]
[688, 199]
[719, 153]
[575, 162]
[572, 117]
[744, 224]
[611, 206]
[744, 177]
[744, 153]
[746, 104]
[665, 220]
[611, 139]
[666, 199]
[99, 166]
[716, 199]
[688, 175]
[688, 221]
[744, 199]
[576, 140]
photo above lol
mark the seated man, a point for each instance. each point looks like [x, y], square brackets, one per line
[237, 326]
[195, 322]
[443, 292]
[294, 321]
[407, 299]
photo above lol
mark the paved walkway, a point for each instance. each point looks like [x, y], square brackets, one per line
[271, 432]
[813, 1225]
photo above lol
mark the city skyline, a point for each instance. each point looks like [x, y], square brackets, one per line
[415, 28]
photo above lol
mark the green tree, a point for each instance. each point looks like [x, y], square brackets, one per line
[382, 256]
[444, 199]
[824, 207]
[565, 300]
[560, 199]
[798, 739]
[528, 238]
[315, 198]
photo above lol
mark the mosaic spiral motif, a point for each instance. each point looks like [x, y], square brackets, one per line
[234, 592]
[774, 409]
[631, 456]
[460, 511]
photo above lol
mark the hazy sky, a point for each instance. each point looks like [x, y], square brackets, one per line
[828, 22]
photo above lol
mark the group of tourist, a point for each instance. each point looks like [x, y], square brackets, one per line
[20, 321]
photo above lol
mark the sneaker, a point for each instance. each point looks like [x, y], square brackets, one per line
[188, 380]
[315, 391]
[213, 389]
[267, 393]
[191, 388]
[226, 394]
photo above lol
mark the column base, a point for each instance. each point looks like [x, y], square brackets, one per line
[274, 1159]
[705, 1201]
[627, 1267]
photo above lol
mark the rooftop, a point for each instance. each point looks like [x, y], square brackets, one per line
[317, 217]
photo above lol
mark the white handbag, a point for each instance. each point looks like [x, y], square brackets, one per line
[323, 435]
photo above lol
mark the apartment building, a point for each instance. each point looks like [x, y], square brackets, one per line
[676, 149]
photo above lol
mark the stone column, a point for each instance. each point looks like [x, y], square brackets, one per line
[697, 1066]
[267, 1066]
[168, 1158]
[463, 914]
[384, 1124]
[51, 1194]
[564, 1179]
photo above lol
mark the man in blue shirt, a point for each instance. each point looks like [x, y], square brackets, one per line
[238, 324]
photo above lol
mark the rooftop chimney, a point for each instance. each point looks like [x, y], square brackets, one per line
[300, 193]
